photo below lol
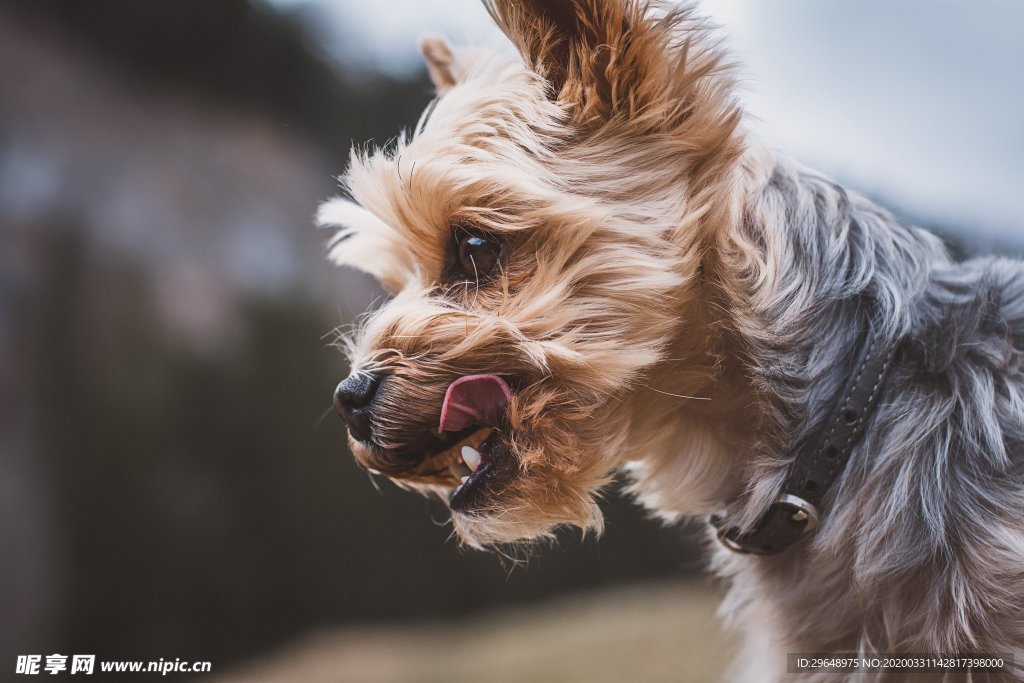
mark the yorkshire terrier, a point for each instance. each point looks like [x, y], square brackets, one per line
[596, 269]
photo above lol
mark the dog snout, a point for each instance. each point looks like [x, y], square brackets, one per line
[352, 399]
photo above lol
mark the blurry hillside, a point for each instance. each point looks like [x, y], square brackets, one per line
[171, 483]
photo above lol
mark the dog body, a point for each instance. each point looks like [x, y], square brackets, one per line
[922, 542]
[595, 269]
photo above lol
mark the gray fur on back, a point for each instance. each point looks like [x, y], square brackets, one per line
[922, 543]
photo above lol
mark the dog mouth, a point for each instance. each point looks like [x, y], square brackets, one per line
[480, 469]
[469, 452]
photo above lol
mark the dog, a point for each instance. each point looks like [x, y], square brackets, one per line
[596, 269]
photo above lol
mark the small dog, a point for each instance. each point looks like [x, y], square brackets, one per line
[595, 269]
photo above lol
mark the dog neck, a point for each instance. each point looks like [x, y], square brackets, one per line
[769, 335]
[816, 464]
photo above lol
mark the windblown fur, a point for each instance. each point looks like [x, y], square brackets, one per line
[677, 301]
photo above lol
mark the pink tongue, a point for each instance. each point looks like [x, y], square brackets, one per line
[474, 399]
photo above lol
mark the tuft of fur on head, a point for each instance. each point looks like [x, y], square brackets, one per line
[602, 159]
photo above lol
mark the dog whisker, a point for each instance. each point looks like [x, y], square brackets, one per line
[320, 421]
[668, 393]
[476, 280]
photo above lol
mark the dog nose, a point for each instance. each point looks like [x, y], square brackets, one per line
[352, 399]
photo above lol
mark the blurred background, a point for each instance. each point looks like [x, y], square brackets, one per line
[173, 482]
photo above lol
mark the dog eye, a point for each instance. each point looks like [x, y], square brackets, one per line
[476, 256]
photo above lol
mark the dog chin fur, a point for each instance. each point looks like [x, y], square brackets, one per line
[678, 302]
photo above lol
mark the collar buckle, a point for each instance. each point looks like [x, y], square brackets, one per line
[796, 517]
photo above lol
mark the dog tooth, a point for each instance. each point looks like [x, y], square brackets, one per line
[471, 457]
[464, 480]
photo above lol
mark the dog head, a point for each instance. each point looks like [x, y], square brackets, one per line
[543, 232]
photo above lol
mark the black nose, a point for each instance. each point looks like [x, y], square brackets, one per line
[352, 399]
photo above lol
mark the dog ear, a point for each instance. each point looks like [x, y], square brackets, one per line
[442, 63]
[592, 53]
[542, 31]
[650, 63]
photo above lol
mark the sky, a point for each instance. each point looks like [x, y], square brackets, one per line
[919, 103]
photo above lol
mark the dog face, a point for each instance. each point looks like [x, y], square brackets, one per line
[542, 232]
